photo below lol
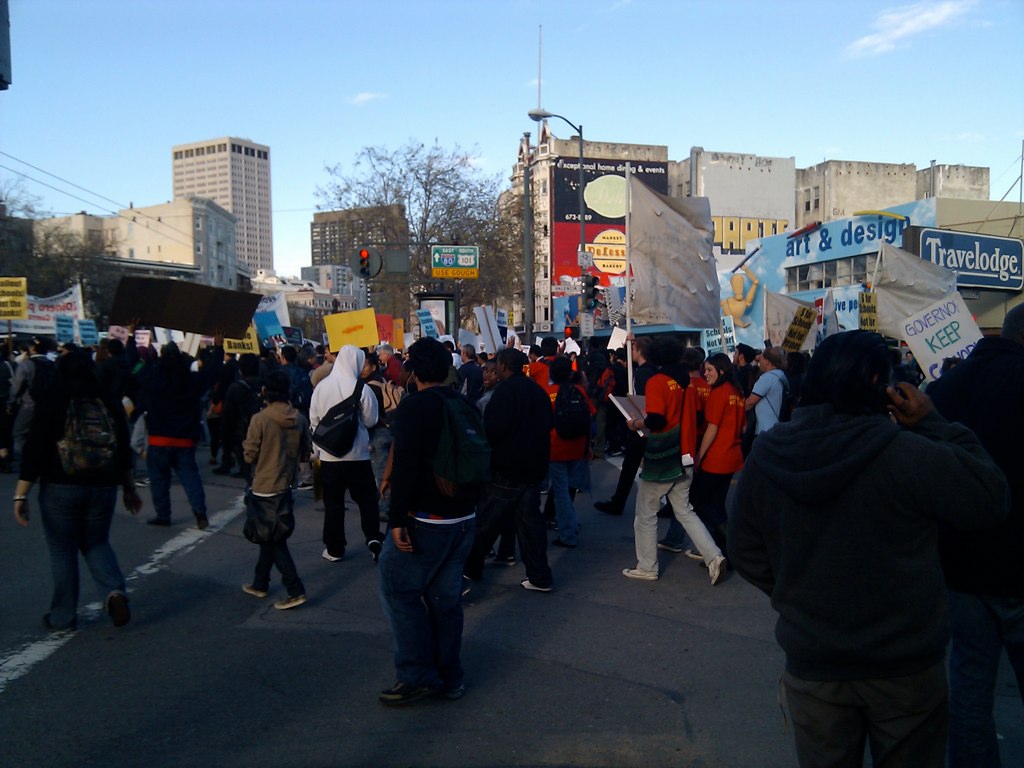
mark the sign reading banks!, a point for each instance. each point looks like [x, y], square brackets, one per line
[980, 261]
[943, 329]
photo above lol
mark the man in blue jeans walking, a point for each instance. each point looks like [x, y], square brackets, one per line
[431, 535]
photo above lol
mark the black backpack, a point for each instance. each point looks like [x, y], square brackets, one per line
[462, 463]
[337, 430]
[88, 447]
[572, 416]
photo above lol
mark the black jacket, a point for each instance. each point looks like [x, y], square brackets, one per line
[986, 394]
[518, 423]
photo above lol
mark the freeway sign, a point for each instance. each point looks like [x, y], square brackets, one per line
[454, 261]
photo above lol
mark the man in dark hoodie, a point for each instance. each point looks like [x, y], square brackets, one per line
[986, 604]
[861, 467]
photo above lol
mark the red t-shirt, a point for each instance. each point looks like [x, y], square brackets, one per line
[694, 423]
[541, 371]
[724, 408]
[664, 396]
[576, 448]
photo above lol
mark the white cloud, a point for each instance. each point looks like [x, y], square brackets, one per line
[899, 24]
[366, 98]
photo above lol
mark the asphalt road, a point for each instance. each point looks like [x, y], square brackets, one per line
[605, 671]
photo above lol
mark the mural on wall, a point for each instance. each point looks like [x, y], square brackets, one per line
[837, 254]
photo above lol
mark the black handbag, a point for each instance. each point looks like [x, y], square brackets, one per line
[268, 519]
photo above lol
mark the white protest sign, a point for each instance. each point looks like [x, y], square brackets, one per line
[489, 333]
[940, 330]
[728, 334]
[711, 340]
[617, 339]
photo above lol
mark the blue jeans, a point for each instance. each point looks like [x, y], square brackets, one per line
[380, 444]
[562, 474]
[421, 592]
[160, 460]
[76, 518]
[980, 627]
[277, 554]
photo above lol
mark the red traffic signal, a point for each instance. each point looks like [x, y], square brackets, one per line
[364, 262]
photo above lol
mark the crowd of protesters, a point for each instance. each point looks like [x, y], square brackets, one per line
[780, 466]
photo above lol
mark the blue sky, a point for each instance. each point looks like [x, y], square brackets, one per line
[103, 89]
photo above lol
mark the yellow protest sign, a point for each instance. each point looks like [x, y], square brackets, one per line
[357, 328]
[398, 333]
[799, 328]
[240, 346]
[868, 308]
[13, 298]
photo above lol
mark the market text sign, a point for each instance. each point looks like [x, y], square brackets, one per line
[980, 261]
[943, 329]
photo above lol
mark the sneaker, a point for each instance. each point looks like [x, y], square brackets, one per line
[467, 584]
[608, 507]
[636, 573]
[202, 521]
[142, 481]
[508, 561]
[560, 543]
[454, 694]
[375, 547]
[664, 545]
[117, 607]
[331, 558]
[305, 485]
[249, 589]
[163, 522]
[401, 693]
[290, 602]
[716, 568]
[527, 584]
[694, 554]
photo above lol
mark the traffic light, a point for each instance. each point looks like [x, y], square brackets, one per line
[364, 262]
[591, 292]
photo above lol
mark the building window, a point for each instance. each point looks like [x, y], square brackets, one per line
[178, 155]
[817, 198]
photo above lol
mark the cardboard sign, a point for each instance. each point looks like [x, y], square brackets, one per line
[87, 333]
[711, 340]
[358, 328]
[13, 298]
[385, 328]
[427, 325]
[868, 309]
[798, 329]
[65, 328]
[186, 306]
[943, 329]
[728, 335]
[489, 332]
[398, 333]
[250, 343]
[118, 332]
[143, 337]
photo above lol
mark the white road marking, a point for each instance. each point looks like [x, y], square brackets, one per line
[19, 662]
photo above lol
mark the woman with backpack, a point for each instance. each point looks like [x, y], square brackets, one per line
[388, 396]
[78, 451]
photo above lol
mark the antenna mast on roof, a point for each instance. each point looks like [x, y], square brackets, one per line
[540, 50]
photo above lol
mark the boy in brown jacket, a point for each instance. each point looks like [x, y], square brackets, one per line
[278, 438]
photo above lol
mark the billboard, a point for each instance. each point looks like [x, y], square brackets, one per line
[604, 198]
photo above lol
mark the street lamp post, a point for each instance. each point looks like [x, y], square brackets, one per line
[541, 114]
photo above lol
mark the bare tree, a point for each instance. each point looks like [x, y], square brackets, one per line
[447, 200]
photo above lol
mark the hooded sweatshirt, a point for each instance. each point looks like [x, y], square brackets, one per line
[339, 384]
[277, 439]
[836, 517]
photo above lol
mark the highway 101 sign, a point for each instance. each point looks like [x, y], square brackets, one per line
[454, 261]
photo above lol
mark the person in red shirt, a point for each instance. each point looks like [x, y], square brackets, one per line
[390, 364]
[568, 465]
[541, 359]
[663, 473]
[720, 455]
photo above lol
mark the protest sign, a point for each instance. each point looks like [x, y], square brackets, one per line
[942, 329]
[711, 340]
[427, 325]
[41, 313]
[249, 343]
[119, 332]
[64, 328]
[88, 336]
[358, 328]
[617, 340]
[186, 306]
[489, 332]
[13, 298]
[868, 312]
[398, 333]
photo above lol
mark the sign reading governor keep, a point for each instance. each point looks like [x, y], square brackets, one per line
[455, 261]
[943, 329]
[980, 261]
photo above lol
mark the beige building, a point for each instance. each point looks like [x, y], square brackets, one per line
[836, 189]
[234, 173]
[191, 237]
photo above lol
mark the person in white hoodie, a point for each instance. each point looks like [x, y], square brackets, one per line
[351, 472]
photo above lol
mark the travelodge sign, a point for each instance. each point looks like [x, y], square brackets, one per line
[980, 261]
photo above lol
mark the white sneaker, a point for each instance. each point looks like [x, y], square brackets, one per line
[716, 569]
[329, 557]
[694, 554]
[636, 573]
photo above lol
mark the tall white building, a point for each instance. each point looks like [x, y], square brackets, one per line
[234, 173]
